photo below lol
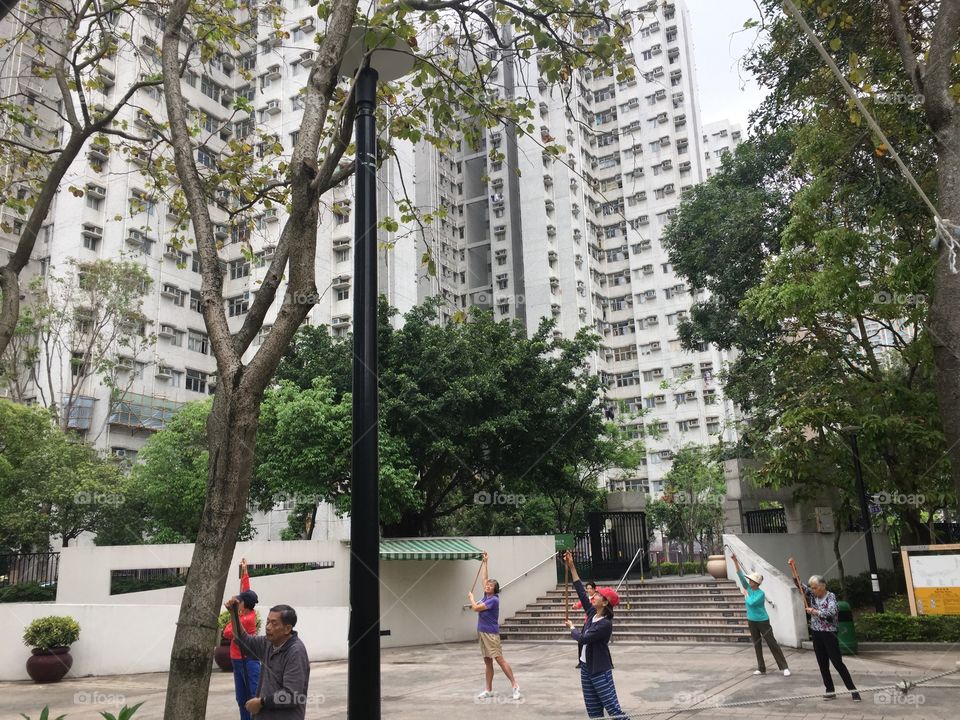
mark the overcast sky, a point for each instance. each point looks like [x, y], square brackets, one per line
[726, 91]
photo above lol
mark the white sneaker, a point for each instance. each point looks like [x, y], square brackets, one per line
[757, 672]
[516, 692]
[484, 695]
[787, 673]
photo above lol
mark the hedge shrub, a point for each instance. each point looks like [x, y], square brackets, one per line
[123, 585]
[859, 591]
[28, 592]
[897, 627]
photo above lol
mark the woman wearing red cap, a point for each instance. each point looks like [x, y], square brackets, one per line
[246, 670]
[596, 666]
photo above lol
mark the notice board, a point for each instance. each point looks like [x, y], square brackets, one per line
[933, 578]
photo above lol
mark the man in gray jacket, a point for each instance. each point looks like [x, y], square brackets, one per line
[282, 690]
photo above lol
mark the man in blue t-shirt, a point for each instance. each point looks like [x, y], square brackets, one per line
[488, 630]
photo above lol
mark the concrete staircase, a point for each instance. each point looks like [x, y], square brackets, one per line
[691, 610]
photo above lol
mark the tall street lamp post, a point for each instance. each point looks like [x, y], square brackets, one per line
[865, 519]
[392, 58]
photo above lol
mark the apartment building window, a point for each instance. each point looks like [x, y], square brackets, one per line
[342, 217]
[176, 378]
[198, 342]
[341, 255]
[624, 327]
[687, 425]
[91, 237]
[177, 338]
[676, 318]
[93, 202]
[209, 88]
[207, 158]
[682, 371]
[709, 397]
[651, 375]
[196, 381]
[242, 128]
[343, 294]
[625, 353]
[195, 262]
[239, 268]
[627, 379]
[238, 305]
[177, 296]
[196, 304]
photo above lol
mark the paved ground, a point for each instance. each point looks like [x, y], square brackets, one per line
[439, 682]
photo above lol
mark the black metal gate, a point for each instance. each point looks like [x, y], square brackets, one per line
[614, 539]
[773, 520]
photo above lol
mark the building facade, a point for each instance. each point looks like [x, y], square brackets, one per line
[528, 235]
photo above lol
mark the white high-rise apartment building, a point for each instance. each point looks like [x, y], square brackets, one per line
[576, 238]
[118, 216]
[719, 138]
[529, 236]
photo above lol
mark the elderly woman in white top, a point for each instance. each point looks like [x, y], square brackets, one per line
[823, 627]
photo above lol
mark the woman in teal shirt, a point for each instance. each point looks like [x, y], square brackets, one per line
[758, 621]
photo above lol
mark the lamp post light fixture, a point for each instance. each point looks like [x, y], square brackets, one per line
[851, 432]
[370, 57]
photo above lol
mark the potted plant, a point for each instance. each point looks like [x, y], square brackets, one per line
[50, 638]
[221, 653]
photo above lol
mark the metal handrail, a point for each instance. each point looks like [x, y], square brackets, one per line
[545, 560]
[629, 567]
[510, 582]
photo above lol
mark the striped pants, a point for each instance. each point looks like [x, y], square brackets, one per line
[599, 694]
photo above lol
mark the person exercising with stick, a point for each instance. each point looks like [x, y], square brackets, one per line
[821, 607]
[488, 630]
[596, 665]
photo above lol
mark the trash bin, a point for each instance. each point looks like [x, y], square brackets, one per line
[846, 632]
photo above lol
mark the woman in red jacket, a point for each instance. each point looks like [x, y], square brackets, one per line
[246, 671]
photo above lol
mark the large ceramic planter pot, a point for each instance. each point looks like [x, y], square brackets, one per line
[48, 666]
[717, 566]
[222, 656]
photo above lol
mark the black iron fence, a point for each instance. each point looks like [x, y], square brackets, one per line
[22, 568]
[773, 520]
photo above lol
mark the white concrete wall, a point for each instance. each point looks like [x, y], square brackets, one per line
[421, 602]
[813, 552]
[128, 639]
[787, 616]
[85, 572]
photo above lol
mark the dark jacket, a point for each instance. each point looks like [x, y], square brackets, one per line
[595, 635]
[283, 676]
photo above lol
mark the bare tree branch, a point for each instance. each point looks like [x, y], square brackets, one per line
[914, 68]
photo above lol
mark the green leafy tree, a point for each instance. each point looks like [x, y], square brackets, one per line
[901, 60]
[50, 485]
[304, 453]
[828, 312]
[479, 406]
[696, 488]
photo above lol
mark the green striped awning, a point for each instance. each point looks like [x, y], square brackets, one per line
[429, 549]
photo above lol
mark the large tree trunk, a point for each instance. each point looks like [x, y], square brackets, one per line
[945, 306]
[231, 437]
